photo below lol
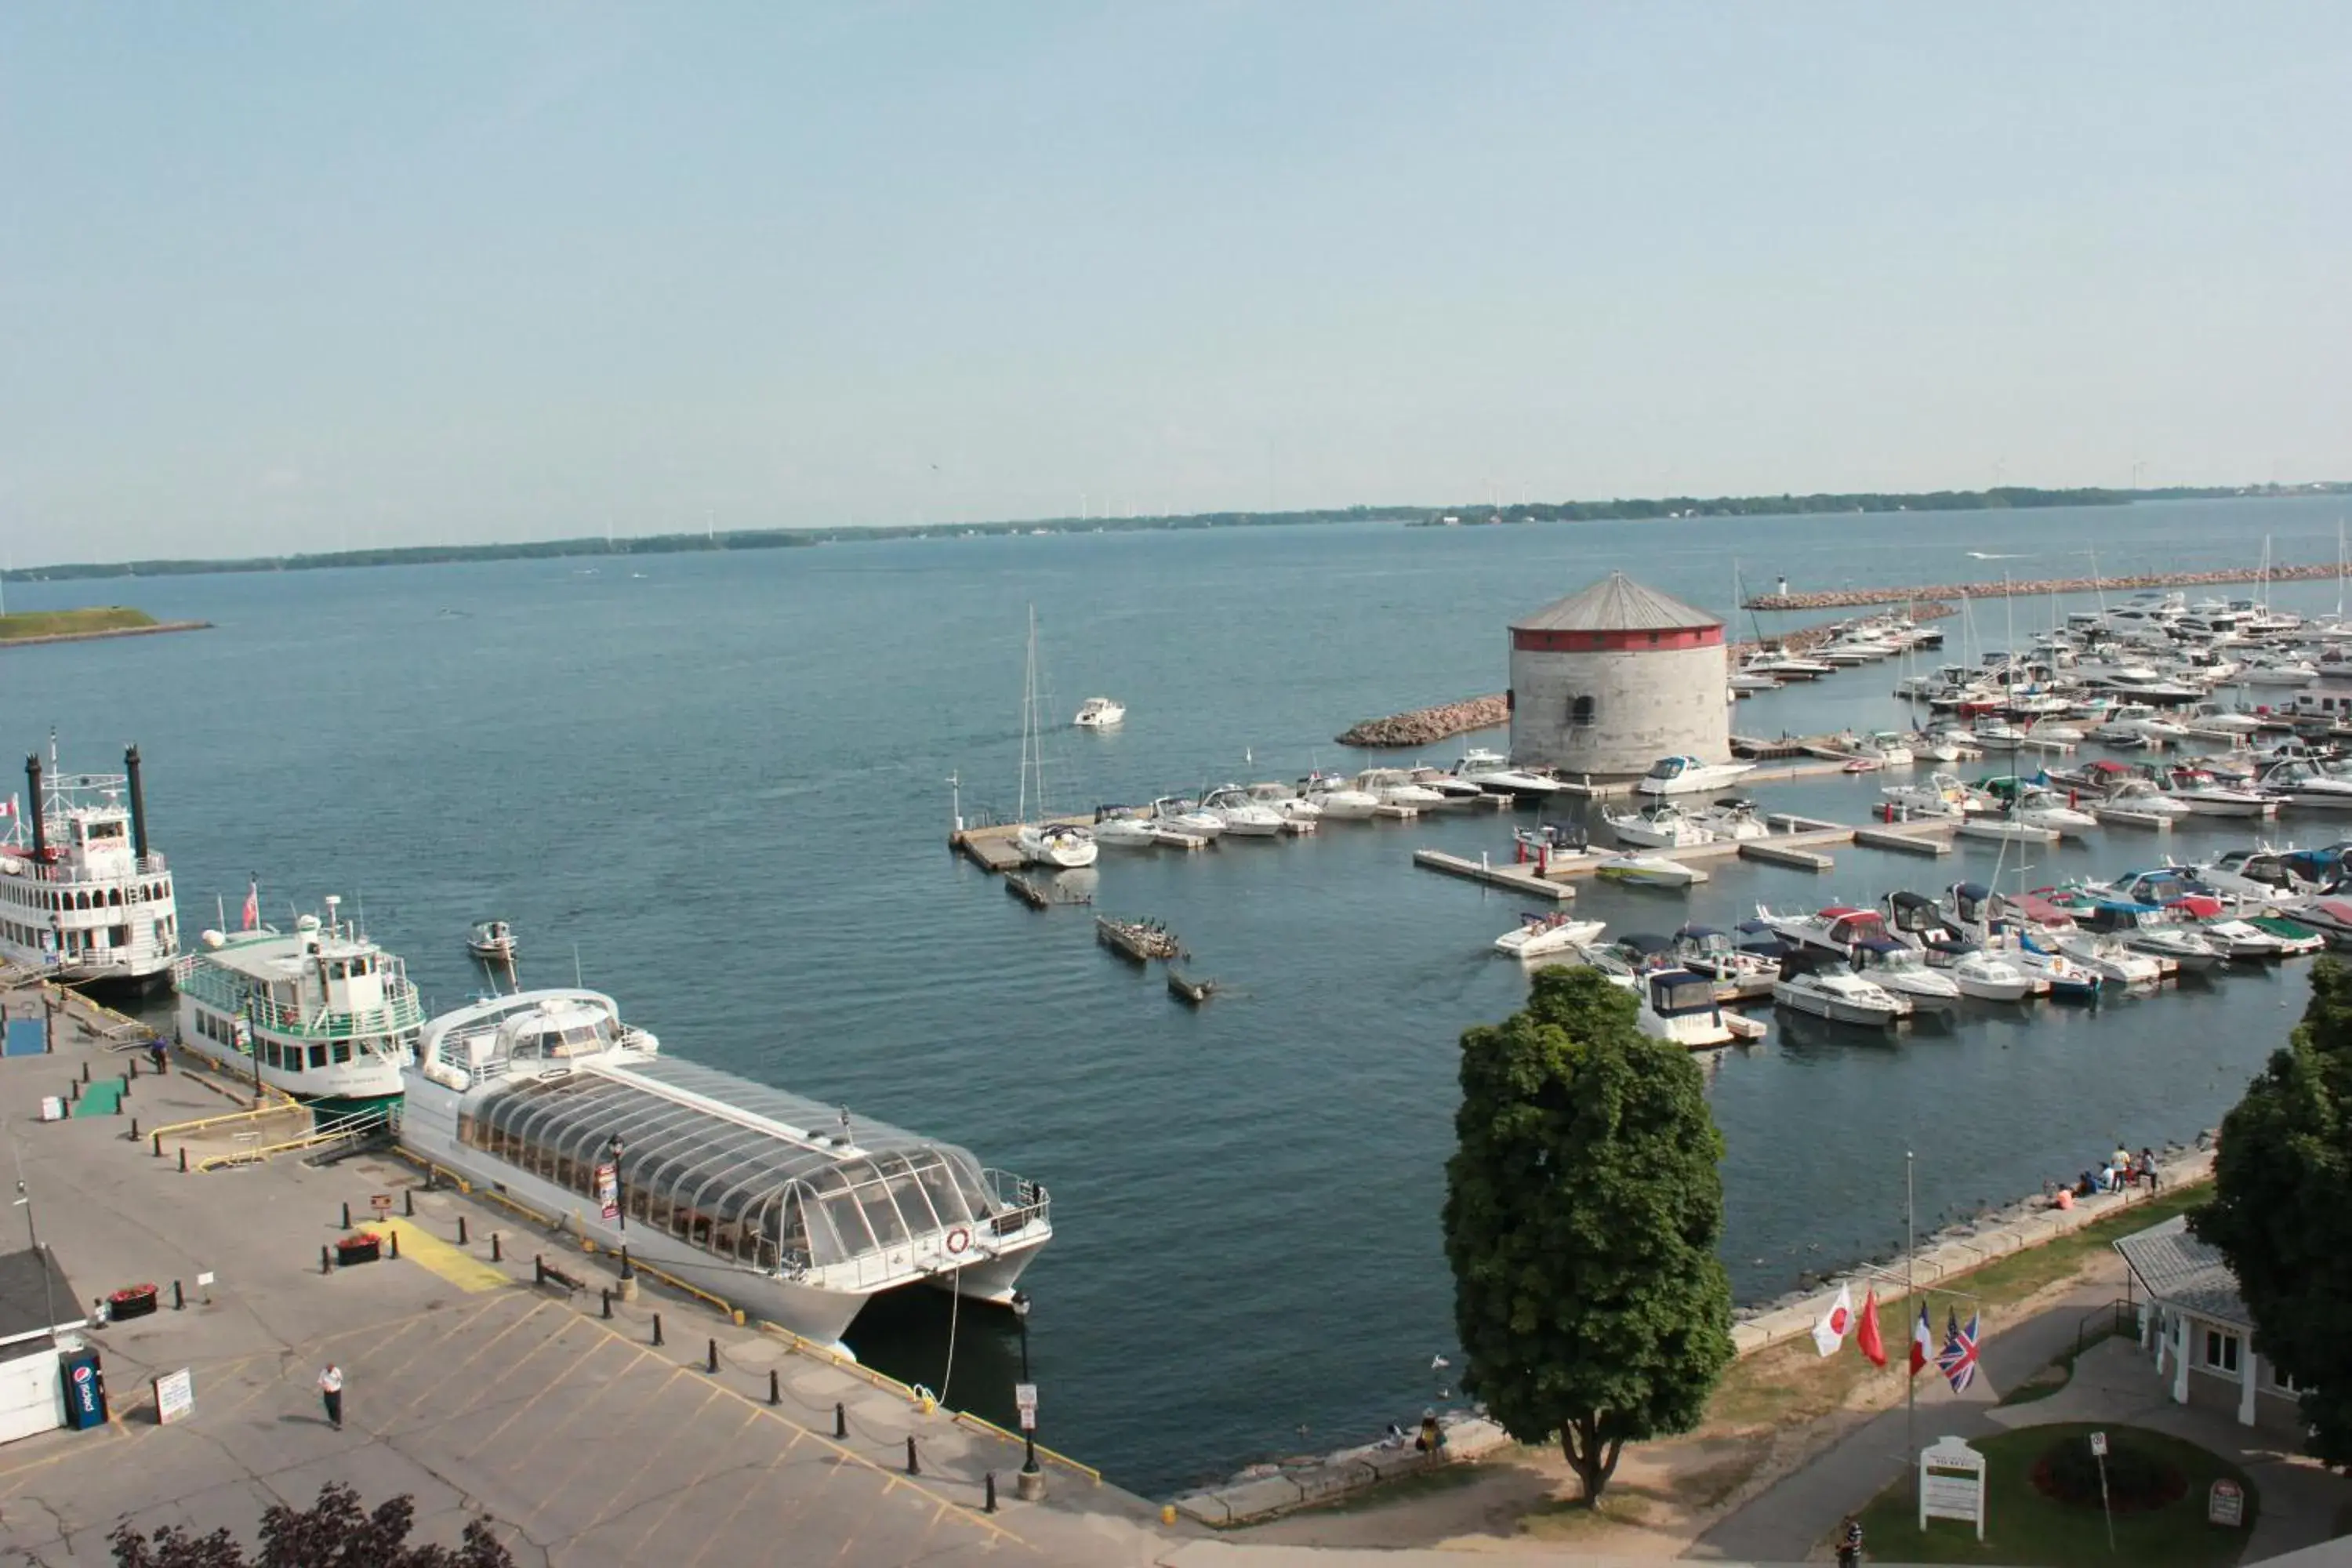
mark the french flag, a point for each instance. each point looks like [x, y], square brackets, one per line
[1923, 1343]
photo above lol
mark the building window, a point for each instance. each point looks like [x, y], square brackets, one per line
[2221, 1351]
[1582, 711]
[2280, 1381]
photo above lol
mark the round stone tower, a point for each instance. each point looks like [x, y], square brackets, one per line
[1610, 679]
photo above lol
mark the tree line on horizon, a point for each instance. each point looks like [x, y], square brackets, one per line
[1656, 509]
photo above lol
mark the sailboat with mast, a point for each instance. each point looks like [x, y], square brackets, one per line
[1064, 846]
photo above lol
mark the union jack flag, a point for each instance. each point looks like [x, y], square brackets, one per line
[1958, 1356]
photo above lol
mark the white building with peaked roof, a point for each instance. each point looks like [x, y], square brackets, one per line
[2196, 1327]
[1611, 678]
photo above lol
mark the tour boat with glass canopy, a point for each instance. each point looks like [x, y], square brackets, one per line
[322, 1012]
[791, 1209]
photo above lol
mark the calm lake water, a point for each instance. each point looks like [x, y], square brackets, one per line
[723, 782]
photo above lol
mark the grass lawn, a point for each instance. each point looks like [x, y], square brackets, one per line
[1791, 1382]
[52, 623]
[2026, 1528]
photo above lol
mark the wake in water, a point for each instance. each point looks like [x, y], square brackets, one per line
[1981, 555]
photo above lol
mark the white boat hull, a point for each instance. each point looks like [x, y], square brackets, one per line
[1648, 871]
[1534, 940]
[1836, 1009]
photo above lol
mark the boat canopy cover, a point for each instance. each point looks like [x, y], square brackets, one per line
[1904, 898]
[1882, 944]
[769, 1174]
[1644, 943]
[2203, 906]
[1975, 892]
[1676, 993]
[1697, 933]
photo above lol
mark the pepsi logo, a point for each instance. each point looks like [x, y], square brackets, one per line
[81, 1375]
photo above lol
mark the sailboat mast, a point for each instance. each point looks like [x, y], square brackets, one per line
[1028, 713]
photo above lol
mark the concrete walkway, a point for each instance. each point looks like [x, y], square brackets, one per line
[1793, 1519]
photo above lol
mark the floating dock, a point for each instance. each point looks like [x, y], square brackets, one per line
[1796, 841]
[1510, 878]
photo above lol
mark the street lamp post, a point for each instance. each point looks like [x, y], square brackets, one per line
[613, 1149]
[1031, 1486]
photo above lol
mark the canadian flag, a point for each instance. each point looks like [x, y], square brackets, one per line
[1830, 1332]
[8, 806]
[1923, 1345]
[1867, 1337]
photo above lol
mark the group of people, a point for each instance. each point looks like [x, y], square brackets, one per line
[2117, 1172]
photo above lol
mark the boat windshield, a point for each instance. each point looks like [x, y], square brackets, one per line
[1676, 995]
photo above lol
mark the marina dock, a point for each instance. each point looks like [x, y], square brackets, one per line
[1797, 842]
[1512, 878]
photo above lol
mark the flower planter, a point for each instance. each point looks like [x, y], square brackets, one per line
[134, 1301]
[361, 1249]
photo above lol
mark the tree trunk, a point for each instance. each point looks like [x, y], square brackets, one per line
[1591, 1456]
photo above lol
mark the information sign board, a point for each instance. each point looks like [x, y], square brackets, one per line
[175, 1396]
[1951, 1483]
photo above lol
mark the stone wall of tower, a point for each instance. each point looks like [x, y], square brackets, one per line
[1612, 712]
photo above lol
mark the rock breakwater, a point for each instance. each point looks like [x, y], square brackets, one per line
[1425, 725]
[1839, 598]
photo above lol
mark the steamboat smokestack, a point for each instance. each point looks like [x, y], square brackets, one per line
[138, 804]
[33, 805]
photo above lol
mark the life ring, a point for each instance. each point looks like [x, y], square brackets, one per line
[958, 1241]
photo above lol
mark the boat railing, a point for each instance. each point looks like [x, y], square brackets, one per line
[1014, 1202]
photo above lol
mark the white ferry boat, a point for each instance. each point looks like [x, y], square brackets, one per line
[323, 1013]
[793, 1210]
[82, 899]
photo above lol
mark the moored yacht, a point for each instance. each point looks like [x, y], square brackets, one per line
[1335, 796]
[1242, 818]
[322, 1014]
[82, 900]
[1493, 772]
[1100, 713]
[1689, 775]
[795, 1211]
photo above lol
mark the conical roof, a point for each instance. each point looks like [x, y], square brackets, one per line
[1616, 603]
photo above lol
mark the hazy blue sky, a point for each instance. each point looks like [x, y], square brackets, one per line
[306, 275]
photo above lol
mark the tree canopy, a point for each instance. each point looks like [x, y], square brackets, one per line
[332, 1532]
[2281, 1208]
[1582, 1208]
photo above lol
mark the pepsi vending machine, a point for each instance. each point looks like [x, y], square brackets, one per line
[85, 1390]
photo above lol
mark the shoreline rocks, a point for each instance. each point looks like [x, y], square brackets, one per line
[1840, 598]
[1422, 726]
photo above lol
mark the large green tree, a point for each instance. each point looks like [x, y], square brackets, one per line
[1582, 1206]
[2281, 1208]
[334, 1532]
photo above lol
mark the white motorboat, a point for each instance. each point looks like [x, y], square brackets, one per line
[2289, 672]
[2104, 956]
[2242, 940]
[2054, 972]
[1297, 813]
[2205, 794]
[1689, 775]
[1680, 1005]
[2300, 782]
[1066, 846]
[804, 1211]
[1647, 871]
[2260, 875]
[1712, 952]
[2330, 917]
[1243, 817]
[493, 941]
[1449, 789]
[1942, 795]
[1835, 931]
[1840, 995]
[2142, 798]
[1887, 748]
[1903, 969]
[1186, 817]
[1100, 713]
[2006, 830]
[1395, 786]
[1335, 797]
[1748, 679]
[2170, 942]
[1997, 735]
[1115, 828]
[1540, 934]
[1493, 772]
[2042, 809]
[1989, 976]
[1732, 819]
[1660, 826]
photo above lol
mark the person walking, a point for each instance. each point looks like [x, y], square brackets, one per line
[331, 1391]
[2148, 1169]
[1849, 1544]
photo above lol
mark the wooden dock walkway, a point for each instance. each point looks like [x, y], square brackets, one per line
[1795, 842]
[1510, 878]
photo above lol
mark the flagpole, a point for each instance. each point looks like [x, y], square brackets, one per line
[1910, 1384]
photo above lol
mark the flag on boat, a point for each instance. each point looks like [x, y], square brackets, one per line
[253, 904]
[1958, 1356]
[1830, 1332]
[8, 806]
[1866, 1335]
[1923, 1342]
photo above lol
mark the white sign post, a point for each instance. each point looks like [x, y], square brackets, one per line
[1024, 1394]
[1951, 1483]
[2099, 1452]
[175, 1396]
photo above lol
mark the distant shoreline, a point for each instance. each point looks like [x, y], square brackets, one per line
[145, 631]
[1668, 509]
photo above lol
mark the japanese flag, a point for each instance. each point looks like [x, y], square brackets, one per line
[1830, 1332]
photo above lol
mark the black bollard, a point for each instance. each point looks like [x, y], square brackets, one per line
[126, 1085]
[135, 1067]
[158, 1138]
[179, 1302]
[989, 1506]
[498, 1248]
[395, 1244]
[347, 1216]
[461, 1230]
[606, 1293]
[134, 1130]
[184, 1157]
[326, 1261]
[775, 1387]
[118, 1107]
[840, 1419]
[657, 1339]
[84, 1072]
[711, 1364]
[408, 1202]
[914, 1466]
[539, 1269]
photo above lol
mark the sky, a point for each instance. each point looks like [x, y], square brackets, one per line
[281, 276]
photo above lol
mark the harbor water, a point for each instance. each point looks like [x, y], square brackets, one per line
[719, 785]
